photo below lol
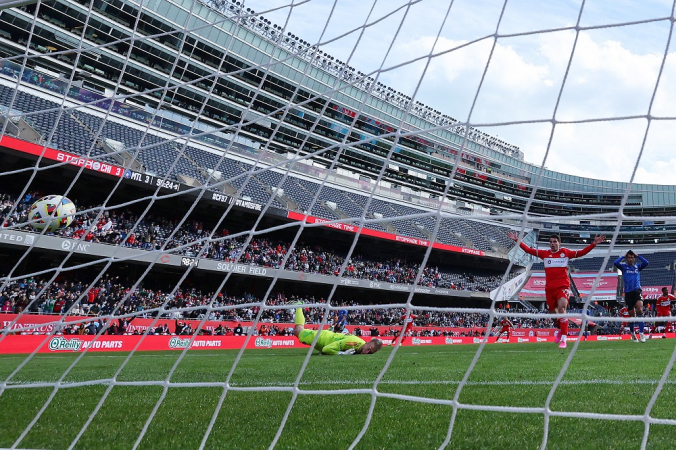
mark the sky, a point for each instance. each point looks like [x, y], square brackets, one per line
[438, 52]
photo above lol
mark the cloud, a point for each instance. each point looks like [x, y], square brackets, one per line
[659, 172]
[613, 73]
[601, 150]
[607, 80]
[523, 82]
[665, 97]
[658, 165]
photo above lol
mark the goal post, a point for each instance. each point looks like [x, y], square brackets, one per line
[178, 177]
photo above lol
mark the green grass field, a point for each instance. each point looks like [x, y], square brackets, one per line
[604, 377]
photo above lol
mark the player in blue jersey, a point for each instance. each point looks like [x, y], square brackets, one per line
[342, 320]
[633, 298]
[339, 321]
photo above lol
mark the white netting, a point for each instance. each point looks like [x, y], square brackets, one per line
[226, 120]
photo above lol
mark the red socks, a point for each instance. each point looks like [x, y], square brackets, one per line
[563, 325]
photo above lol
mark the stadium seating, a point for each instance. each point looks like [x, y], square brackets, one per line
[76, 132]
[75, 297]
[152, 232]
[592, 264]
[659, 273]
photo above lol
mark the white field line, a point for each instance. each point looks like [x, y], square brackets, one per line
[470, 383]
[264, 353]
[597, 381]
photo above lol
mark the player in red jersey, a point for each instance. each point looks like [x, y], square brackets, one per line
[557, 282]
[506, 326]
[407, 322]
[624, 313]
[664, 310]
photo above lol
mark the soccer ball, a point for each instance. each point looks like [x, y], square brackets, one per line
[45, 213]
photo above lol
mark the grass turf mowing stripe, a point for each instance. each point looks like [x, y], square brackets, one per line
[506, 387]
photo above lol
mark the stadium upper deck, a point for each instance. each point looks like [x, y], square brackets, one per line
[171, 73]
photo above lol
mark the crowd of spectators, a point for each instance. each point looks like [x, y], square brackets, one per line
[125, 228]
[111, 296]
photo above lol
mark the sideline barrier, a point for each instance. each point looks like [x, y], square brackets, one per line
[22, 344]
[44, 323]
[124, 343]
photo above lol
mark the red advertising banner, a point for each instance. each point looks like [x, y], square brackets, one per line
[28, 323]
[605, 290]
[535, 286]
[652, 292]
[383, 235]
[45, 344]
[70, 344]
[59, 156]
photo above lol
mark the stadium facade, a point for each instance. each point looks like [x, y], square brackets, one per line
[168, 62]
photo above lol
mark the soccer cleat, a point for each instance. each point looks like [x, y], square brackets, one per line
[557, 336]
[563, 342]
[633, 337]
[642, 337]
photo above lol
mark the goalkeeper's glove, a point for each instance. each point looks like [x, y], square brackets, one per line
[347, 352]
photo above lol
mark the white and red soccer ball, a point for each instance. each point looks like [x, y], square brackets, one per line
[53, 212]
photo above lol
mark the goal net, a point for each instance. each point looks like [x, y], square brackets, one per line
[181, 179]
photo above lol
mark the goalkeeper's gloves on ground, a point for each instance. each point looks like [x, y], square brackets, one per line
[347, 352]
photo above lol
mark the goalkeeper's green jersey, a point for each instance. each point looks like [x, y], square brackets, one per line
[330, 343]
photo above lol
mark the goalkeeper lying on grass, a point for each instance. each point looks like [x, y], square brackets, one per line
[330, 343]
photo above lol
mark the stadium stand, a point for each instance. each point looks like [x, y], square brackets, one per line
[591, 264]
[72, 296]
[660, 272]
[152, 232]
[75, 133]
[657, 273]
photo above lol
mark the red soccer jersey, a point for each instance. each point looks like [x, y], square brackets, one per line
[505, 323]
[624, 313]
[556, 264]
[664, 301]
[664, 304]
[408, 321]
